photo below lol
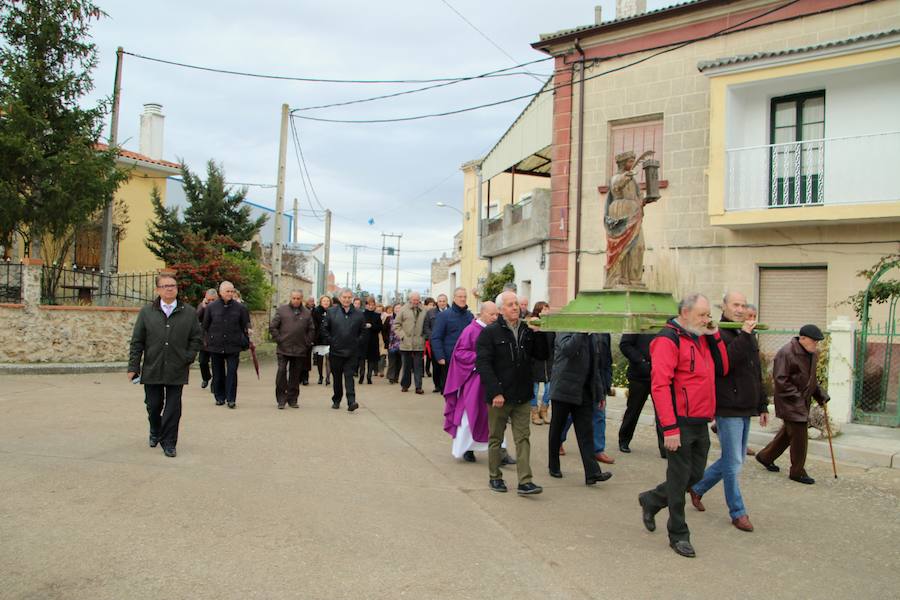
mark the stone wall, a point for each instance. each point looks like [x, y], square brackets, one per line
[34, 333]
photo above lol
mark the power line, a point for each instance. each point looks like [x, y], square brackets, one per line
[497, 73]
[480, 32]
[301, 161]
[310, 79]
[552, 89]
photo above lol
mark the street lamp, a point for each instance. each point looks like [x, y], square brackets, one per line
[444, 205]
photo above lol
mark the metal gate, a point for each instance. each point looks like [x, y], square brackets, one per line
[876, 398]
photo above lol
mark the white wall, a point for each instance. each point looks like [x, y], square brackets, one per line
[441, 287]
[859, 101]
[527, 263]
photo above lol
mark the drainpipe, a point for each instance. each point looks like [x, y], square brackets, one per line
[578, 186]
[478, 209]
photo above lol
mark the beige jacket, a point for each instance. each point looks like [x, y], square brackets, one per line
[409, 324]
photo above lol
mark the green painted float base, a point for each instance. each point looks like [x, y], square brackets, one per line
[628, 310]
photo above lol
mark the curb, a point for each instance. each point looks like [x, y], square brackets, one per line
[844, 450]
[62, 368]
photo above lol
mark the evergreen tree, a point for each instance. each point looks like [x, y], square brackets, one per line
[214, 209]
[52, 176]
[165, 234]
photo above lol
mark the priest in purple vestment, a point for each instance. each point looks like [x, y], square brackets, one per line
[465, 412]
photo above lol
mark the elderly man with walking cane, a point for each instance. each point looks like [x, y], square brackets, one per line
[794, 372]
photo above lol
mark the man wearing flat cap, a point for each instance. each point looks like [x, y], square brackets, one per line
[794, 373]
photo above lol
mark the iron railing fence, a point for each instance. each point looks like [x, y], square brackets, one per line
[61, 285]
[828, 171]
[11, 274]
[877, 399]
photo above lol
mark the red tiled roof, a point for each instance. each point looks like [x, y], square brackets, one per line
[141, 157]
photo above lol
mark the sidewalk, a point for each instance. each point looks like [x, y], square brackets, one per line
[863, 445]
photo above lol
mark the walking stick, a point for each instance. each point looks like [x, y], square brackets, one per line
[828, 430]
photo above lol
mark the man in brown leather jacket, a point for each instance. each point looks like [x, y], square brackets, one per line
[795, 384]
[294, 330]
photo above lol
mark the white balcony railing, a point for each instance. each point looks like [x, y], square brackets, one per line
[841, 170]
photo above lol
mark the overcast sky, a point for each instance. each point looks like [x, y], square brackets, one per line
[393, 173]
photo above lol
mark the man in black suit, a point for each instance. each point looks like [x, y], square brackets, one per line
[342, 330]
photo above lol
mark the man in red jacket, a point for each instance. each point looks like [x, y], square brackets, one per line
[685, 356]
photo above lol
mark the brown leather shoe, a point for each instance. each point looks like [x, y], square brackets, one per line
[562, 451]
[605, 458]
[743, 523]
[696, 501]
[543, 413]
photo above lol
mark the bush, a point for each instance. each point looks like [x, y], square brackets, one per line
[252, 281]
[495, 282]
[201, 264]
[620, 373]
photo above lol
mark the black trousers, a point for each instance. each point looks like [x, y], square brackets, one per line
[393, 370]
[164, 412]
[439, 375]
[287, 379]
[225, 378]
[582, 419]
[203, 357]
[367, 368]
[638, 392]
[343, 374]
[686, 466]
[413, 361]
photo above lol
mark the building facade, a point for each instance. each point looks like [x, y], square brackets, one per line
[775, 126]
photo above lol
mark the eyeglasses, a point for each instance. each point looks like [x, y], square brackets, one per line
[168, 286]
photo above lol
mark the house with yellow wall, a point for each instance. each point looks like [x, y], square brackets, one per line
[146, 170]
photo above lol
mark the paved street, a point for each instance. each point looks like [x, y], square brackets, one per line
[317, 503]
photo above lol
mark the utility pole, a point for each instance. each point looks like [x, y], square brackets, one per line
[397, 287]
[382, 269]
[106, 245]
[353, 280]
[327, 249]
[279, 205]
[390, 250]
[295, 222]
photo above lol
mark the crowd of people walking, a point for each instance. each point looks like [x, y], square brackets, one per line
[499, 369]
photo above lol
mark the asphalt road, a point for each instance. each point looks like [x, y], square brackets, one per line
[318, 503]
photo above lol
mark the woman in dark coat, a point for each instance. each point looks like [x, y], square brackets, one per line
[370, 342]
[320, 350]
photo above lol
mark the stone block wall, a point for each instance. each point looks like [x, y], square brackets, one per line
[35, 333]
[709, 259]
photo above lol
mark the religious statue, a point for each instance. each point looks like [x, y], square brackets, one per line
[623, 216]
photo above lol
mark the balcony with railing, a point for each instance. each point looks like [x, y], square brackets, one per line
[797, 182]
[522, 224]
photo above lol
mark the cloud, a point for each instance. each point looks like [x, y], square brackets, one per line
[359, 171]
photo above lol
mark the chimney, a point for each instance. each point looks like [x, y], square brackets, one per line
[598, 14]
[152, 121]
[630, 8]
